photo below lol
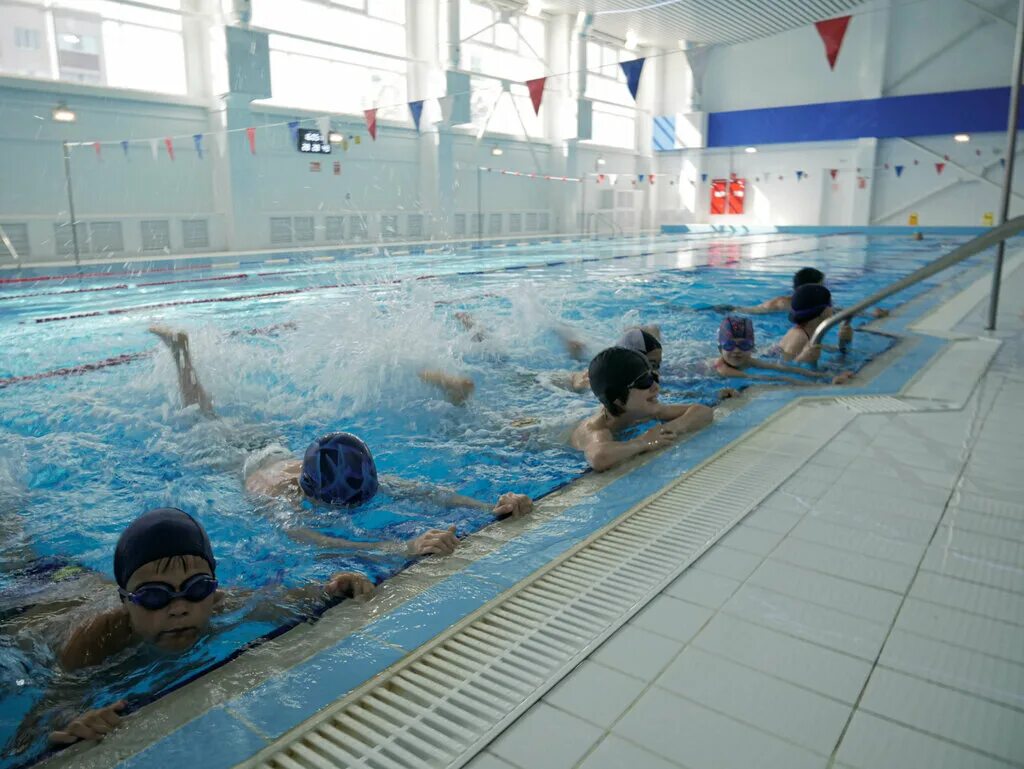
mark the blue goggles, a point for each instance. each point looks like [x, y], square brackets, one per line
[743, 345]
[156, 595]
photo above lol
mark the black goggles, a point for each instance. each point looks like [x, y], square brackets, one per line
[157, 595]
[645, 381]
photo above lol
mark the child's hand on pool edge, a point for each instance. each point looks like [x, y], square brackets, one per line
[514, 505]
[842, 378]
[434, 542]
[728, 392]
[348, 584]
[91, 725]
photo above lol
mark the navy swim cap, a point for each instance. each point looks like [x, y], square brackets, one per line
[611, 373]
[809, 302]
[338, 469]
[808, 276]
[166, 532]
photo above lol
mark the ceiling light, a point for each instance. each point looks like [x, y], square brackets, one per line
[962, 138]
[631, 40]
[63, 115]
[496, 151]
[601, 160]
[750, 150]
[335, 137]
[70, 38]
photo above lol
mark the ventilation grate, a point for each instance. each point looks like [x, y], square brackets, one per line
[494, 224]
[460, 224]
[388, 226]
[195, 234]
[303, 228]
[106, 237]
[360, 231]
[414, 224]
[335, 227]
[515, 222]
[448, 702]
[280, 230]
[156, 235]
[878, 404]
[531, 222]
[545, 222]
[17, 235]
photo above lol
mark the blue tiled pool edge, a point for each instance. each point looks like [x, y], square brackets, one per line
[251, 721]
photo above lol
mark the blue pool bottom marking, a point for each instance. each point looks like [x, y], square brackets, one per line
[286, 700]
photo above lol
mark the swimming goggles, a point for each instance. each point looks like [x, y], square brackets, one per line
[645, 381]
[743, 345]
[157, 595]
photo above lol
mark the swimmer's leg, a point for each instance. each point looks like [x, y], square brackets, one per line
[192, 391]
[456, 389]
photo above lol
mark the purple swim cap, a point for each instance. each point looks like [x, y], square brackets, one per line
[338, 469]
[734, 328]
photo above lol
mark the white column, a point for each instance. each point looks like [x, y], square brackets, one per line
[426, 81]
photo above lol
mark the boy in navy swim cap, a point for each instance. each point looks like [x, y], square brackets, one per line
[805, 276]
[627, 387]
[337, 469]
[166, 580]
[810, 307]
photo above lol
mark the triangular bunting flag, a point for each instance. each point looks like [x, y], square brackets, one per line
[416, 110]
[536, 89]
[799, 175]
[833, 172]
[639, 177]
[1002, 162]
[371, 122]
[197, 139]
[99, 152]
[832, 33]
[612, 178]
[915, 161]
[650, 178]
[153, 143]
[169, 144]
[978, 153]
[357, 139]
[250, 134]
[600, 178]
[939, 167]
[886, 166]
[703, 177]
[899, 170]
[344, 144]
[447, 104]
[698, 59]
[632, 70]
[124, 147]
[293, 130]
[946, 158]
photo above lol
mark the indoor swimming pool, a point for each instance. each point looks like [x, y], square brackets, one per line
[292, 346]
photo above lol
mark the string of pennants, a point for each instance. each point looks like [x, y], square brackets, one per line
[831, 31]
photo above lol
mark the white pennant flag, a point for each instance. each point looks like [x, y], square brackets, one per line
[612, 178]
[154, 145]
[698, 59]
[446, 103]
[221, 139]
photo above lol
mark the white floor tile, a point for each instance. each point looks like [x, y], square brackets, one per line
[489, 761]
[985, 504]
[945, 713]
[983, 545]
[700, 586]
[875, 743]
[595, 693]
[977, 599]
[672, 617]
[973, 568]
[545, 738]
[884, 523]
[729, 562]
[993, 525]
[696, 737]
[637, 652]
[942, 623]
[850, 597]
[779, 514]
[859, 541]
[775, 706]
[616, 753]
[750, 539]
[924, 503]
[840, 563]
[827, 627]
[969, 671]
[825, 671]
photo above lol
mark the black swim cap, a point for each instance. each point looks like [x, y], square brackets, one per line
[808, 276]
[809, 302]
[166, 532]
[612, 371]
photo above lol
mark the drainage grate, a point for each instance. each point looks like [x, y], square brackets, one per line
[441, 706]
[877, 404]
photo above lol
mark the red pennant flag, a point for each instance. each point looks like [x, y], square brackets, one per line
[939, 167]
[536, 88]
[832, 33]
[651, 178]
[371, 122]
[96, 146]
[945, 157]
[251, 134]
[833, 172]
[600, 178]
[169, 144]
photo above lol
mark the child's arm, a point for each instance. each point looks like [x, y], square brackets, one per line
[434, 542]
[508, 504]
[769, 365]
[97, 639]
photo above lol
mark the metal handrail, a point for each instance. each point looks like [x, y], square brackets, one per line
[993, 237]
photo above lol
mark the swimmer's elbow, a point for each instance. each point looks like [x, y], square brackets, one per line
[600, 458]
[702, 415]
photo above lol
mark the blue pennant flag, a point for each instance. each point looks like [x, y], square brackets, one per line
[703, 177]
[799, 175]
[197, 139]
[899, 170]
[632, 70]
[293, 128]
[640, 177]
[124, 146]
[416, 108]
[1002, 162]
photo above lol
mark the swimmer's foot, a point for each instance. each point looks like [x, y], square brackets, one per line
[458, 390]
[173, 339]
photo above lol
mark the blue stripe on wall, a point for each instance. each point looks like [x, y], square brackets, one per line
[919, 115]
[664, 132]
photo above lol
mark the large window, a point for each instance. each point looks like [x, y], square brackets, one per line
[337, 55]
[497, 48]
[614, 110]
[100, 42]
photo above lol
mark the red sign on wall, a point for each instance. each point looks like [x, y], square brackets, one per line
[728, 196]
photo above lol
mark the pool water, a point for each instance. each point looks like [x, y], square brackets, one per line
[84, 452]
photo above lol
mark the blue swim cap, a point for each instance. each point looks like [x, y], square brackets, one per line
[338, 469]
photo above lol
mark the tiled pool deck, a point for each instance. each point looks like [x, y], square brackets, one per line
[869, 613]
